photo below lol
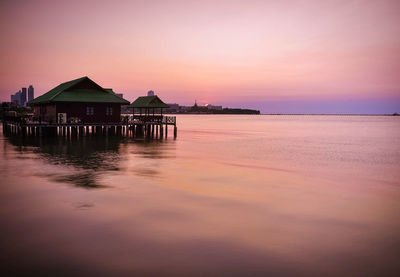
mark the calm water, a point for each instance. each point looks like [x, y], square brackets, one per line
[231, 196]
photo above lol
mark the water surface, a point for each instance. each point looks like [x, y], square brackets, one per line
[231, 196]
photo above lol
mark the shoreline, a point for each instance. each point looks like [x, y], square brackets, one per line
[303, 114]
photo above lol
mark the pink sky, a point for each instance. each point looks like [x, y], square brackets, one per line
[212, 51]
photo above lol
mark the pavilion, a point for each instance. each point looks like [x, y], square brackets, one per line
[148, 108]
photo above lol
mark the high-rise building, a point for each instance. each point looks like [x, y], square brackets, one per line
[15, 98]
[23, 97]
[18, 97]
[30, 93]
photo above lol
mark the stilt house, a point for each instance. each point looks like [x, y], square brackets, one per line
[80, 100]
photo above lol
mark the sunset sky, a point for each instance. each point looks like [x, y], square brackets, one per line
[276, 56]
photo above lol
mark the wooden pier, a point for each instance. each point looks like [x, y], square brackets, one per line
[141, 127]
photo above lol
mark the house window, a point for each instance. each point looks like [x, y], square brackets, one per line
[109, 111]
[89, 111]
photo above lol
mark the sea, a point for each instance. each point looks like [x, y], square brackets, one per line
[232, 195]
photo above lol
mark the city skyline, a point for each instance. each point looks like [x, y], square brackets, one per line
[23, 96]
[289, 57]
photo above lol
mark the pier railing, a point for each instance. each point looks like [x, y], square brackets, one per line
[135, 119]
[134, 126]
[134, 129]
[145, 119]
[169, 120]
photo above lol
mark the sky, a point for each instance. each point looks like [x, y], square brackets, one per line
[275, 56]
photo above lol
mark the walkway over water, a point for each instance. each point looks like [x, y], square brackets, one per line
[149, 127]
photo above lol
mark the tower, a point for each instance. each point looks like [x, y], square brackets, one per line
[18, 97]
[30, 93]
[23, 97]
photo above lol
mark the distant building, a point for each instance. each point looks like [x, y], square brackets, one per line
[31, 94]
[16, 98]
[185, 108]
[150, 93]
[173, 108]
[23, 97]
[19, 98]
[212, 107]
[120, 95]
[78, 100]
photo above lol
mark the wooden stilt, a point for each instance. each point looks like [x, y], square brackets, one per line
[157, 126]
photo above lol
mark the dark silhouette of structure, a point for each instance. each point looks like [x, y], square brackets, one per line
[17, 98]
[83, 108]
[31, 94]
[23, 97]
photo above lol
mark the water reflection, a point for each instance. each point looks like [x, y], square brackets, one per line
[86, 160]
[215, 205]
[88, 156]
[155, 150]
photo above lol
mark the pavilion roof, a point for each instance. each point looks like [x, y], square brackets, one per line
[79, 90]
[148, 102]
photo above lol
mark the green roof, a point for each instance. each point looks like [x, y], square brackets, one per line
[79, 90]
[148, 102]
